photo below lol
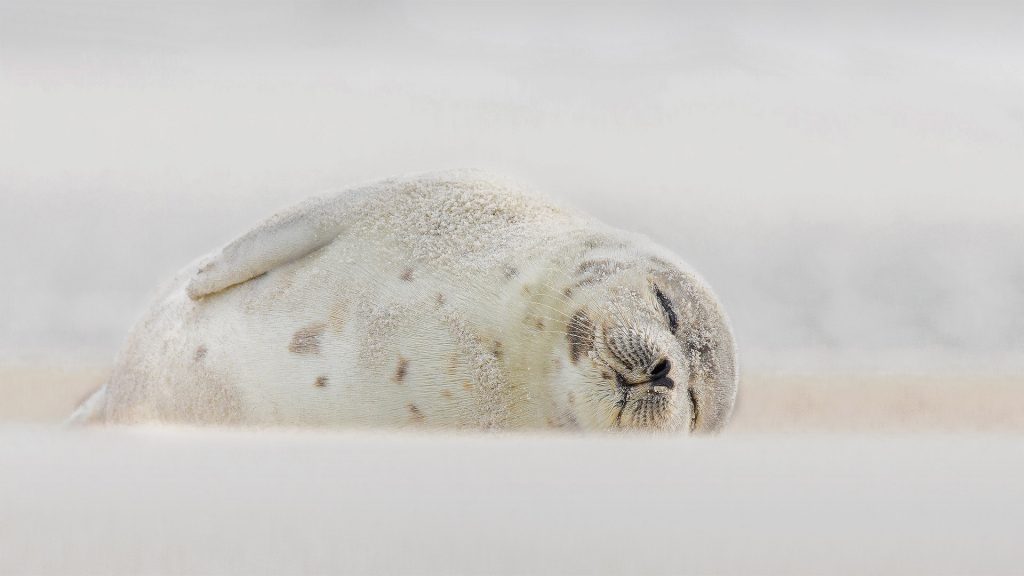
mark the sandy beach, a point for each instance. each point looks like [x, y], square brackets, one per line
[815, 475]
[775, 403]
[846, 176]
[160, 501]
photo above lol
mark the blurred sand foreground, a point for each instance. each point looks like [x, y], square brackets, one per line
[867, 476]
[160, 501]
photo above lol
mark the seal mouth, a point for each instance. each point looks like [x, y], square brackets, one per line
[653, 409]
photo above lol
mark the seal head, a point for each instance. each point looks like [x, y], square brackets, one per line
[647, 347]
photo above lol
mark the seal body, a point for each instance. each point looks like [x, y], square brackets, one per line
[448, 300]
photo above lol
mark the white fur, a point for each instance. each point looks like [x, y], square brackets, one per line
[428, 300]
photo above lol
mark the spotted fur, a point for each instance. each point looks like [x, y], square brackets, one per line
[491, 307]
[306, 340]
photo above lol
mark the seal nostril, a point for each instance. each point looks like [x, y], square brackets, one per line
[661, 369]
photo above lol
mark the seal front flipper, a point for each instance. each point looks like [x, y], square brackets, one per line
[283, 238]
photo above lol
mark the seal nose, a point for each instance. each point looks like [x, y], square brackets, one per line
[661, 369]
[659, 374]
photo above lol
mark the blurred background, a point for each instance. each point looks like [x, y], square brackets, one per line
[849, 179]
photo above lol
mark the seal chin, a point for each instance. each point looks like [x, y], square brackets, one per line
[650, 410]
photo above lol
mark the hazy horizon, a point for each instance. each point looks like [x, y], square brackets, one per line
[848, 179]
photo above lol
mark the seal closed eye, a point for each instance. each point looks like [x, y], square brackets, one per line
[670, 312]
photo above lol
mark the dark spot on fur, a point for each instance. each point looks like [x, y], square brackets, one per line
[415, 413]
[307, 340]
[200, 353]
[321, 381]
[701, 359]
[407, 275]
[595, 271]
[510, 271]
[580, 334]
[439, 298]
[402, 370]
[590, 266]
[447, 394]
[467, 385]
[567, 292]
[702, 348]
[499, 350]
[606, 376]
[539, 324]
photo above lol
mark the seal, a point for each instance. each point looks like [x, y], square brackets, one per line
[455, 300]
